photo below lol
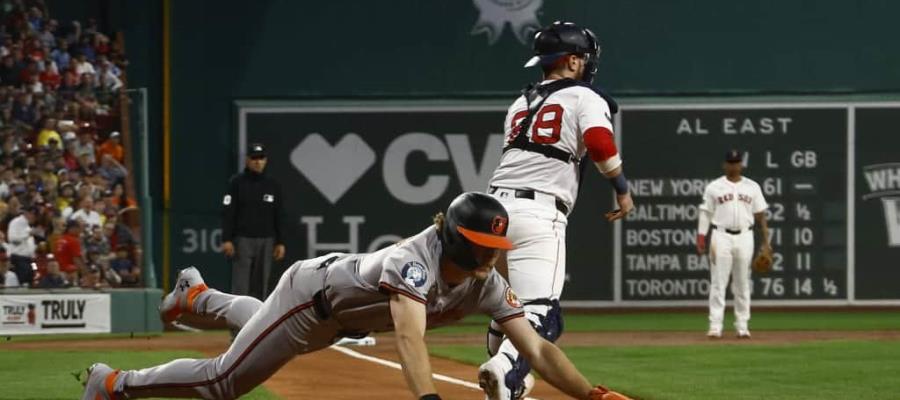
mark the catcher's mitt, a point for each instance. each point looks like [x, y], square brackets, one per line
[763, 262]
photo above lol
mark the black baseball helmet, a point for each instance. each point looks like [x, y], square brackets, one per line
[564, 38]
[473, 218]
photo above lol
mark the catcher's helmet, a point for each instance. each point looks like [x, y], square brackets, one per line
[473, 218]
[564, 38]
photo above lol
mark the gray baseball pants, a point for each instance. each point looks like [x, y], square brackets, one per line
[251, 267]
[271, 334]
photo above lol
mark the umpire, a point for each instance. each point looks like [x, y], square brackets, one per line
[252, 226]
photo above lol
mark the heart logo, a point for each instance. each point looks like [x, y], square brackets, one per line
[332, 169]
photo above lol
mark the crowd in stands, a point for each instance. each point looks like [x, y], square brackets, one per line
[62, 164]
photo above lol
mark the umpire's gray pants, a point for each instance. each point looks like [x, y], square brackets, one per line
[251, 266]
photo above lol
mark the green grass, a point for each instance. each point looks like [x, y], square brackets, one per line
[697, 321]
[819, 370]
[48, 374]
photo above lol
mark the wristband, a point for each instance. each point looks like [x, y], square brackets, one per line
[432, 396]
[619, 183]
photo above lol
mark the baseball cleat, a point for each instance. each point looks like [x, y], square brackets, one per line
[492, 379]
[743, 334]
[714, 333]
[100, 383]
[181, 299]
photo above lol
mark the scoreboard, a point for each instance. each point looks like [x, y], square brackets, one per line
[830, 172]
[798, 156]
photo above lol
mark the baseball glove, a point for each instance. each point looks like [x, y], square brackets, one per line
[763, 262]
[602, 393]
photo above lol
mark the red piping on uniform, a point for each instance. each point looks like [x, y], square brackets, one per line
[403, 292]
[236, 362]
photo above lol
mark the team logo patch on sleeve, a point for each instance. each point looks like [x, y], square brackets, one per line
[414, 273]
[512, 299]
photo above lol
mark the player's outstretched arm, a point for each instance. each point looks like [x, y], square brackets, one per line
[553, 365]
[409, 328]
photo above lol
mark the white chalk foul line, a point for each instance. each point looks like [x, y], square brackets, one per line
[397, 366]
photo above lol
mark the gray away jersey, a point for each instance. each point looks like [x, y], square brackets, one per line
[358, 287]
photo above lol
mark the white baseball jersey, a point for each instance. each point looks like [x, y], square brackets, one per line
[561, 122]
[732, 204]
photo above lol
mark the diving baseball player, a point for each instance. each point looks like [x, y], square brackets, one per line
[730, 206]
[428, 280]
[549, 129]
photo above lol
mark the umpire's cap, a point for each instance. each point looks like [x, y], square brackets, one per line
[474, 218]
[256, 151]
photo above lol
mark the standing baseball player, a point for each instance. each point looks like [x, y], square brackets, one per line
[730, 206]
[428, 280]
[549, 129]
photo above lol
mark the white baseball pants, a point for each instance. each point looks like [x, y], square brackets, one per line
[730, 255]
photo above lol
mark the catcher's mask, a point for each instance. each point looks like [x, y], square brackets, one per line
[473, 218]
[564, 38]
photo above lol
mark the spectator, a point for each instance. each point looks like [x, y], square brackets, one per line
[112, 146]
[50, 76]
[21, 244]
[82, 66]
[7, 277]
[86, 213]
[23, 109]
[68, 251]
[108, 276]
[107, 80]
[41, 258]
[48, 133]
[85, 145]
[49, 178]
[35, 19]
[61, 55]
[98, 243]
[70, 162]
[92, 278]
[6, 179]
[74, 35]
[58, 228]
[54, 278]
[47, 37]
[124, 267]
[102, 59]
[66, 195]
[111, 170]
[120, 199]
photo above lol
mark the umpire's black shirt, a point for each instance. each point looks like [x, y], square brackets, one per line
[253, 207]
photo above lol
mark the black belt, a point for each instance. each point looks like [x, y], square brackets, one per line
[529, 194]
[732, 231]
